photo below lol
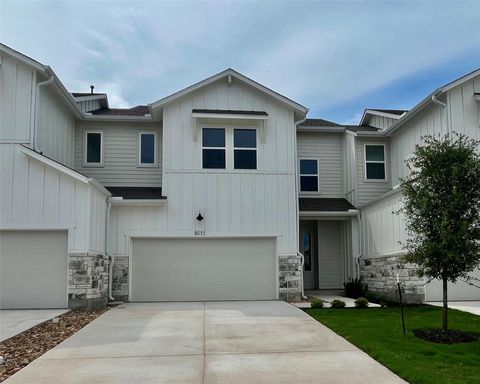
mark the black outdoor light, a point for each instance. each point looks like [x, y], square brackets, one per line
[199, 217]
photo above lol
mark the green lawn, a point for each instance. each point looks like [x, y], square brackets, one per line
[378, 331]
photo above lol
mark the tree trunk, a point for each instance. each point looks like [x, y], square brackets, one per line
[445, 305]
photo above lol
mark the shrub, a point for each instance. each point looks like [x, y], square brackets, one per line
[337, 304]
[317, 303]
[361, 302]
[355, 288]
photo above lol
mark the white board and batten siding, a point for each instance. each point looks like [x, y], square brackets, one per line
[349, 164]
[56, 128]
[369, 189]
[326, 148]
[35, 196]
[381, 122]
[120, 149]
[17, 96]
[234, 203]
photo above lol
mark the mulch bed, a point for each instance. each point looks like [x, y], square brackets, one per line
[452, 336]
[22, 349]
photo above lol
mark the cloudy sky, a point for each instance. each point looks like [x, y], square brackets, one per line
[334, 57]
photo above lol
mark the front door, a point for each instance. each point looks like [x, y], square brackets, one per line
[307, 247]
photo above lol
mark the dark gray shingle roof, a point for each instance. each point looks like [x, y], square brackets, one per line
[137, 192]
[230, 112]
[312, 204]
[318, 123]
[139, 110]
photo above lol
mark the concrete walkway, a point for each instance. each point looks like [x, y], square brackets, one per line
[15, 321]
[214, 342]
[465, 306]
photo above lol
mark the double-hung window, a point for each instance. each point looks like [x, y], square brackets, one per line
[94, 148]
[375, 162]
[213, 148]
[245, 149]
[308, 175]
[147, 144]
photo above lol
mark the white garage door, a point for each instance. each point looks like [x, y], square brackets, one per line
[459, 291]
[203, 269]
[33, 269]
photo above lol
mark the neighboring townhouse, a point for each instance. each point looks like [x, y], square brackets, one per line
[221, 191]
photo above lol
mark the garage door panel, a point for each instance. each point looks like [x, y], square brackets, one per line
[33, 269]
[206, 269]
[459, 291]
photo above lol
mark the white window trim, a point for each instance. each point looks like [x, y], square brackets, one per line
[244, 149]
[229, 149]
[139, 150]
[218, 148]
[85, 142]
[384, 162]
[300, 174]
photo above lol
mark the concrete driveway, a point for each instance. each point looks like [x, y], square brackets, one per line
[214, 342]
[15, 321]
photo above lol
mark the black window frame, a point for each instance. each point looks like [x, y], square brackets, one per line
[303, 175]
[212, 148]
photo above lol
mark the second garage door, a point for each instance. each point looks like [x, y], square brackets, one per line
[33, 269]
[203, 269]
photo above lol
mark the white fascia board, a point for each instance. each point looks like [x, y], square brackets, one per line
[349, 213]
[126, 118]
[88, 98]
[382, 114]
[306, 128]
[228, 72]
[122, 201]
[395, 190]
[21, 57]
[53, 164]
[64, 169]
[371, 133]
[204, 115]
[461, 80]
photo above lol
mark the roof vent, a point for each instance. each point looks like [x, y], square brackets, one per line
[91, 89]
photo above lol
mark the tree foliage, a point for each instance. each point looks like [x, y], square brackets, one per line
[442, 208]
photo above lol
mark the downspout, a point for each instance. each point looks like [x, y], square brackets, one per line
[360, 245]
[110, 269]
[35, 112]
[444, 106]
[297, 209]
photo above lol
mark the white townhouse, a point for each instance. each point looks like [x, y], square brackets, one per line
[221, 191]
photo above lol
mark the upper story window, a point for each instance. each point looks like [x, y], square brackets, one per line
[308, 175]
[94, 148]
[147, 153]
[245, 149]
[375, 168]
[213, 148]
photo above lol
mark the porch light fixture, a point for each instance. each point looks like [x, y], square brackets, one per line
[199, 217]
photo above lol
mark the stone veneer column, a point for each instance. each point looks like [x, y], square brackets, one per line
[87, 280]
[120, 278]
[380, 274]
[290, 278]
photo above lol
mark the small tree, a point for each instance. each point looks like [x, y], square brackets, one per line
[442, 209]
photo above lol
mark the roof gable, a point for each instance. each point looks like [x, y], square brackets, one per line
[229, 74]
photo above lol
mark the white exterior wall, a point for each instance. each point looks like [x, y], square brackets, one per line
[120, 164]
[36, 196]
[430, 121]
[17, 97]
[350, 188]
[369, 189]
[56, 127]
[382, 230]
[327, 149]
[233, 202]
[381, 122]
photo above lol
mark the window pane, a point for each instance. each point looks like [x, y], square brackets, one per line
[214, 158]
[213, 137]
[309, 183]
[94, 144]
[308, 167]
[375, 152]
[245, 138]
[147, 145]
[244, 159]
[307, 252]
[376, 171]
